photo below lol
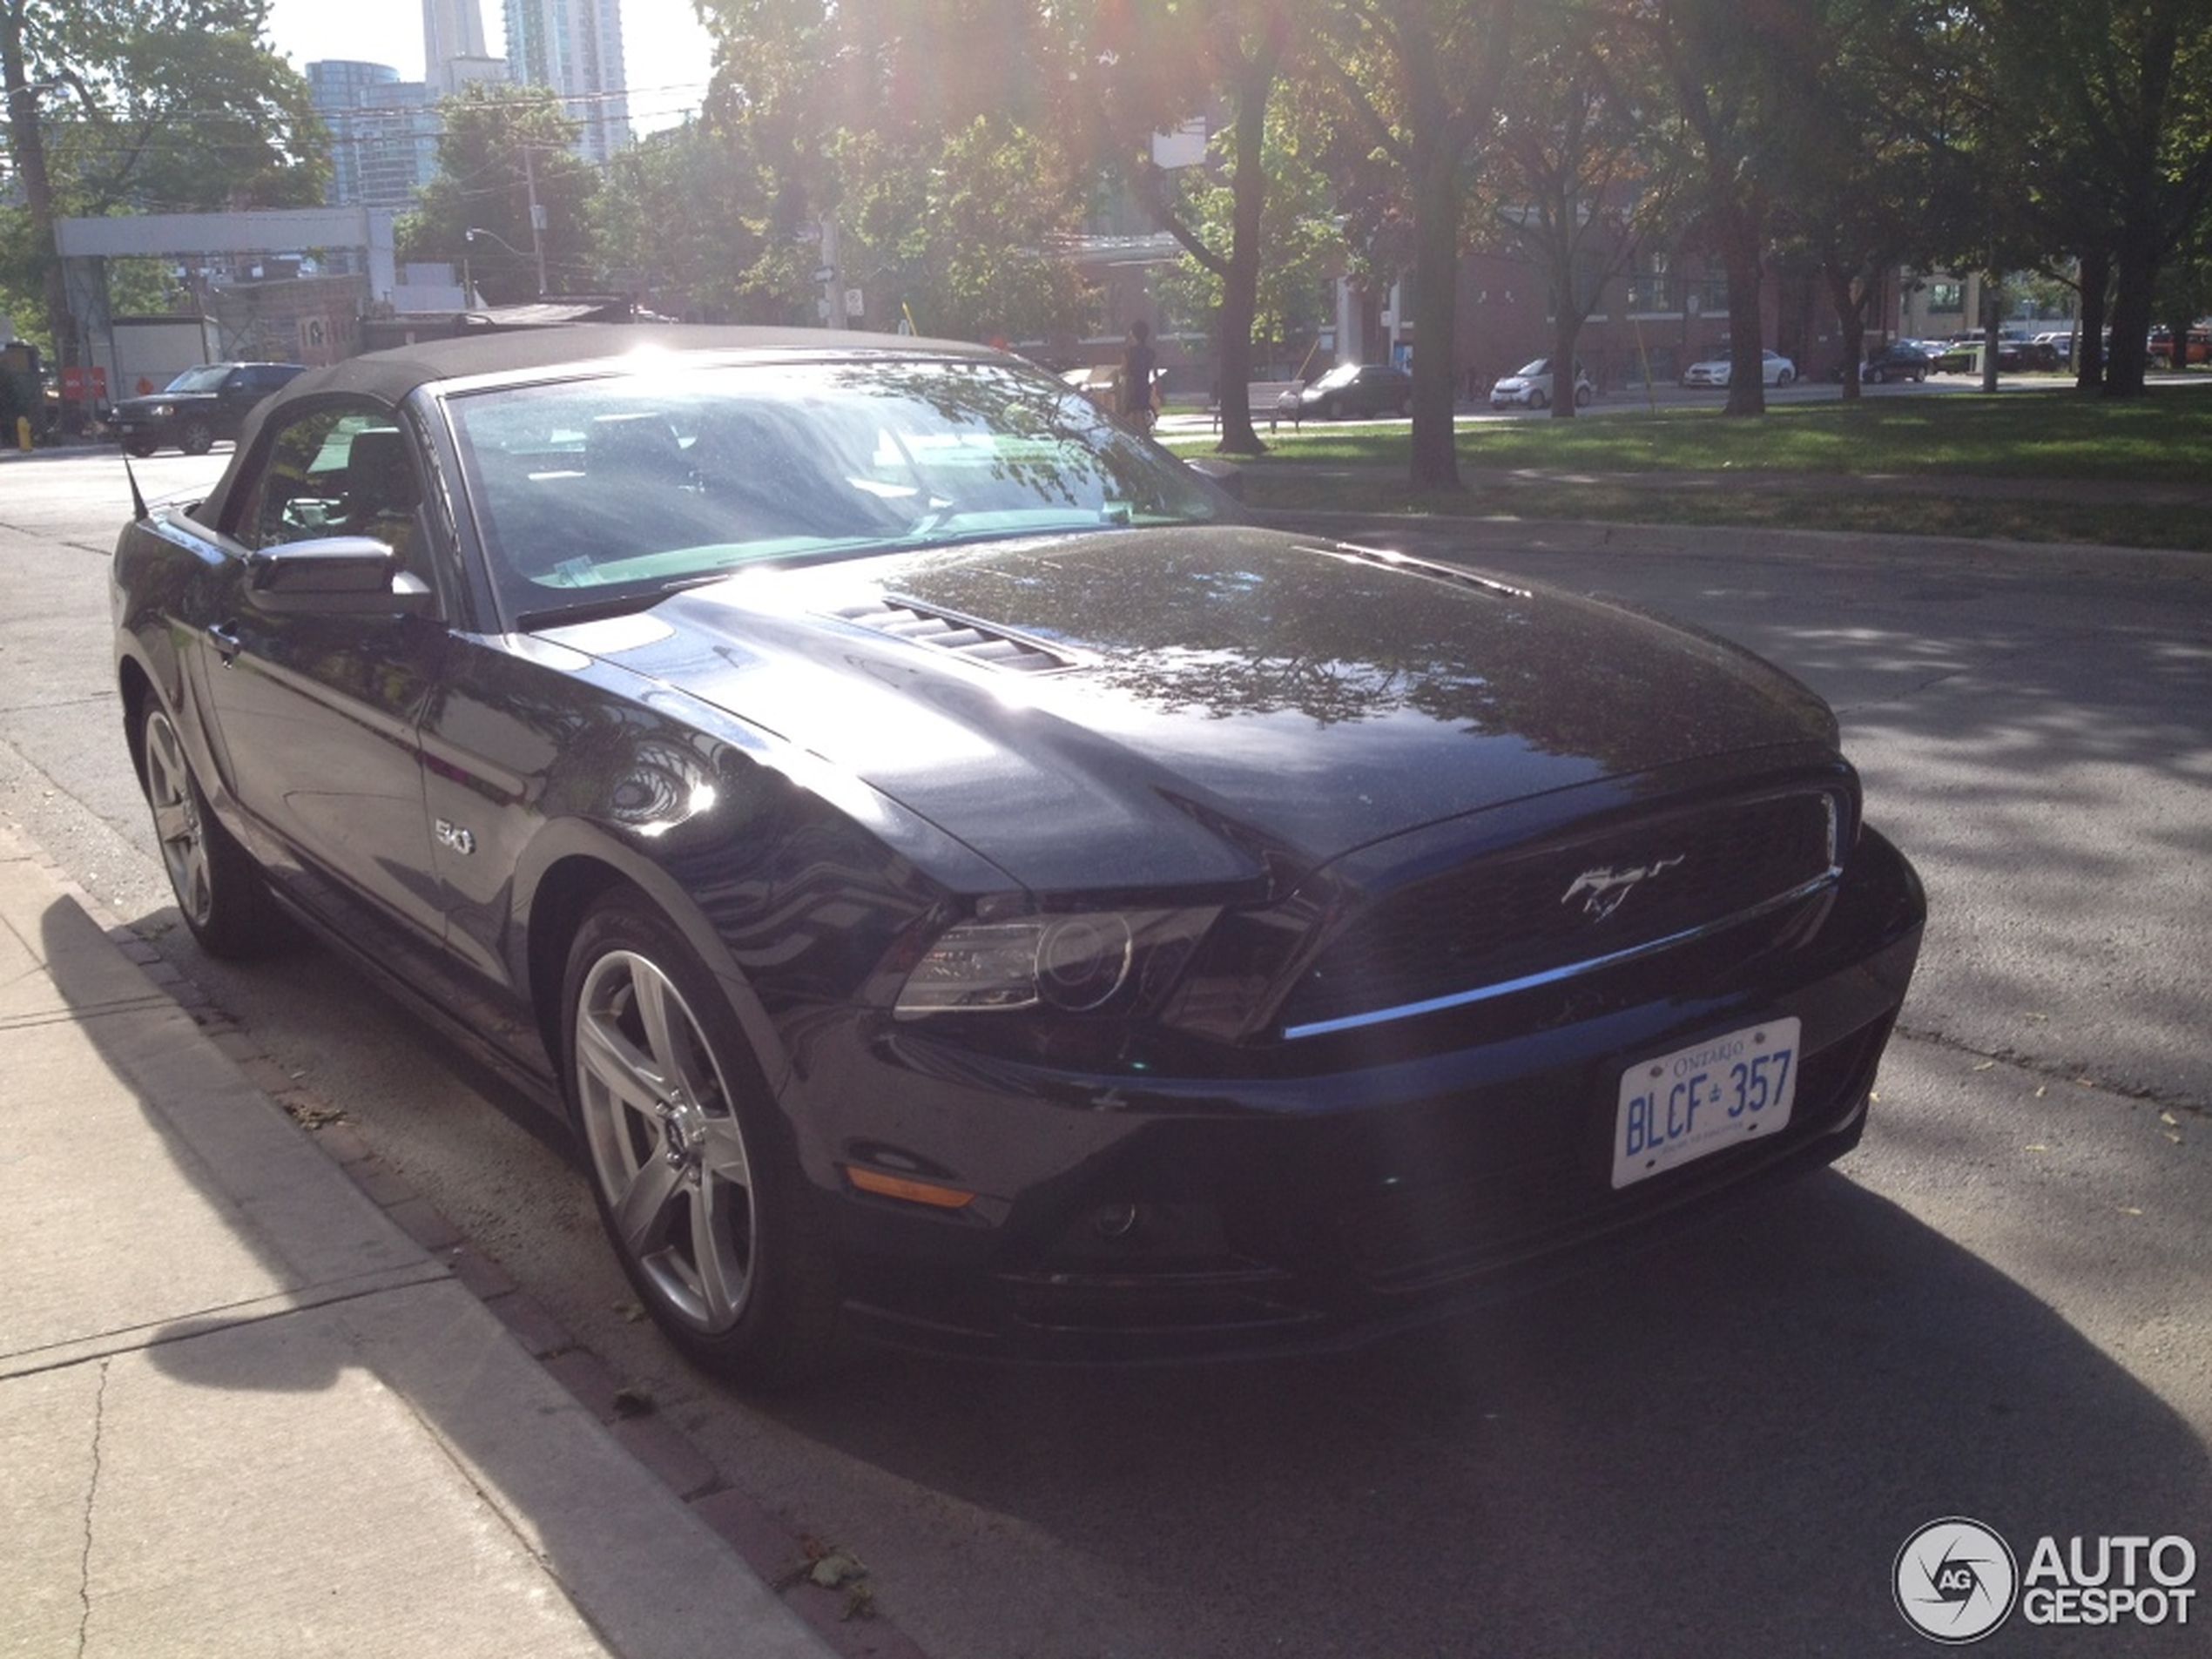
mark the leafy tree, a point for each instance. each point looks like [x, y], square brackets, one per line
[144, 105]
[883, 116]
[1865, 97]
[503, 148]
[1153, 64]
[960, 239]
[1299, 243]
[1420, 81]
[1726, 123]
[1575, 183]
[682, 221]
[2109, 118]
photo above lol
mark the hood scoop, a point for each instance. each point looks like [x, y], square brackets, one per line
[960, 635]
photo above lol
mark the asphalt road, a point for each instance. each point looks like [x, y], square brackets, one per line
[1999, 1307]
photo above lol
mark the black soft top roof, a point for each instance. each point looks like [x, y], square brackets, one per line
[389, 376]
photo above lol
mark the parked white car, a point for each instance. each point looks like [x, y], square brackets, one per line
[1774, 369]
[1529, 387]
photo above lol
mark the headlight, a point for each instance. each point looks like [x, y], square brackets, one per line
[1073, 963]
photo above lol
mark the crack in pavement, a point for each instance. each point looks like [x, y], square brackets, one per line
[92, 1501]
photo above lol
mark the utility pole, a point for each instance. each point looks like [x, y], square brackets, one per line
[537, 214]
[830, 275]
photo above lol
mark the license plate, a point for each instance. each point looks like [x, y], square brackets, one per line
[1681, 1106]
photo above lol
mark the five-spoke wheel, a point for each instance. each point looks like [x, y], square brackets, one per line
[700, 1193]
[223, 900]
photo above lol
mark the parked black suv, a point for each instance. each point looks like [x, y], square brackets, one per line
[200, 406]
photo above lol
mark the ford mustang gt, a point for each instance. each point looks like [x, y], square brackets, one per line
[964, 882]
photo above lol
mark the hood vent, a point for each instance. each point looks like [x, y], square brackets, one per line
[964, 637]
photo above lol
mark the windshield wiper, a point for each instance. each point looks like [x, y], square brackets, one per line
[622, 602]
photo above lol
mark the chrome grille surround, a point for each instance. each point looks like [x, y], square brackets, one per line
[1566, 907]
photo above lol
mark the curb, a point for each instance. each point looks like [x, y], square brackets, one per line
[845, 1618]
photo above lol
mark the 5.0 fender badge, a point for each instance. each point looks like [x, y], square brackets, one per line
[452, 836]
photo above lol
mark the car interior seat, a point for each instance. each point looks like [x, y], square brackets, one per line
[380, 490]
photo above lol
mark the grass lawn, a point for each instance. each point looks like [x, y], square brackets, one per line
[1902, 464]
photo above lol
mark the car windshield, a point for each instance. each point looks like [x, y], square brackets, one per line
[1533, 367]
[600, 493]
[208, 377]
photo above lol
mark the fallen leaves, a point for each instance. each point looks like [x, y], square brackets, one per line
[829, 1568]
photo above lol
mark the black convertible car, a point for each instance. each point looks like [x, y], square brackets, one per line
[963, 883]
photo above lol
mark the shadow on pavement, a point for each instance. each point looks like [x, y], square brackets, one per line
[1718, 1449]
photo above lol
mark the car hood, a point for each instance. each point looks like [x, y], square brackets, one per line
[1179, 706]
[157, 400]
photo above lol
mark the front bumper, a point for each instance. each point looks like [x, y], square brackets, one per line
[140, 429]
[1331, 1190]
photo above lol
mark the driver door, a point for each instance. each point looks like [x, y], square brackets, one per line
[318, 716]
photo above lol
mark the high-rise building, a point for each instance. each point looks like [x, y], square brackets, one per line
[383, 132]
[454, 53]
[575, 47]
[452, 30]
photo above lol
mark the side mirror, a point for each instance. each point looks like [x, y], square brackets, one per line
[335, 575]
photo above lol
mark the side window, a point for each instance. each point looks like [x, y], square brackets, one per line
[336, 472]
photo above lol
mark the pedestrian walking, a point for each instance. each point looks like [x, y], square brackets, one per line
[1139, 365]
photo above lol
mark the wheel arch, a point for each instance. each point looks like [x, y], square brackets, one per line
[133, 686]
[572, 880]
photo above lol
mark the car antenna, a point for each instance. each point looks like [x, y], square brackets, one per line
[137, 500]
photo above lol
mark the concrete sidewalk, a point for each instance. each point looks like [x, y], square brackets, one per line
[242, 1412]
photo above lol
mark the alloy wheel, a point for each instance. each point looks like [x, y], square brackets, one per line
[178, 824]
[666, 1145]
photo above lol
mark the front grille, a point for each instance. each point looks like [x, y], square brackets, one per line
[1567, 906]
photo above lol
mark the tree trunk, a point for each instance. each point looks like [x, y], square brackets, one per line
[1566, 329]
[1435, 458]
[1240, 280]
[2177, 326]
[1993, 283]
[2089, 348]
[2131, 313]
[1851, 317]
[1746, 345]
[27, 139]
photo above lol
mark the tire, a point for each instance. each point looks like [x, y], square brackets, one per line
[1877, 376]
[140, 448]
[1919, 376]
[1582, 397]
[219, 889]
[197, 439]
[696, 1180]
[1330, 409]
[1538, 401]
[1783, 379]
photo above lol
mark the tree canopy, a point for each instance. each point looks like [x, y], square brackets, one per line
[951, 150]
[144, 106]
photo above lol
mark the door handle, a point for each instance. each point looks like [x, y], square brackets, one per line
[226, 643]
